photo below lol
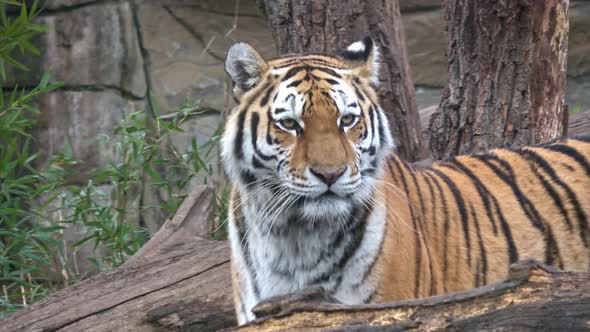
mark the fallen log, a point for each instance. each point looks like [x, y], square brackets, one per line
[579, 124]
[181, 282]
[177, 281]
[534, 297]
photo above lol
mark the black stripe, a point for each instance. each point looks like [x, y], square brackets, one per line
[280, 110]
[292, 72]
[358, 92]
[331, 81]
[526, 205]
[266, 96]
[432, 201]
[509, 178]
[256, 163]
[445, 230]
[356, 232]
[247, 177]
[418, 261]
[254, 135]
[315, 61]
[432, 221]
[486, 196]
[481, 190]
[572, 198]
[326, 70]
[462, 211]
[369, 298]
[423, 224]
[294, 84]
[483, 273]
[269, 121]
[549, 188]
[551, 250]
[239, 140]
[572, 153]
[372, 118]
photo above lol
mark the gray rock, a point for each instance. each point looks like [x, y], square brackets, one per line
[186, 47]
[64, 4]
[224, 7]
[79, 118]
[92, 46]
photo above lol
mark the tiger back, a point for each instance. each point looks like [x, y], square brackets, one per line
[320, 199]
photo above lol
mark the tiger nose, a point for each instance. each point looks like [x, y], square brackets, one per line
[328, 175]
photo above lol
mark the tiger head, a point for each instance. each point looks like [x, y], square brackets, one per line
[309, 127]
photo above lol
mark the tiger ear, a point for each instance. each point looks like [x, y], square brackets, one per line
[364, 57]
[245, 67]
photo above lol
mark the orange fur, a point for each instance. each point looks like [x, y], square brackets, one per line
[418, 226]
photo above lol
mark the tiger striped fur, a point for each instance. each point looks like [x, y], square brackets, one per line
[320, 199]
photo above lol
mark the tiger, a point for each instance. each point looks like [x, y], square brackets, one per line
[320, 199]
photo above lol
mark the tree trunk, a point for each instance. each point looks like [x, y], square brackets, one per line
[534, 297]
[506, 87]
[176, 282]
[330, 26]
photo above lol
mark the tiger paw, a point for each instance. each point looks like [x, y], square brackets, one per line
[316, 296]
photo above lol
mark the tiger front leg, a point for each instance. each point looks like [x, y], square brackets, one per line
[282, 303]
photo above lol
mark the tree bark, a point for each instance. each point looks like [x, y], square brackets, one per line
[176, 282]
[507, 76]
[534, 297]
[329, 26]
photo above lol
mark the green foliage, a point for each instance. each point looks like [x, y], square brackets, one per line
[138, 163]
[16, 34]
[37, 204]
[24, 246]
[575, 110]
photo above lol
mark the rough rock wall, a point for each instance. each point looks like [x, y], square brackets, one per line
[110, 53]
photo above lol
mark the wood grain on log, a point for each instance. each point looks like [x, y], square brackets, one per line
[579, 124]
[506, 76]
[534, 297]
[178, 281]
[330, 26]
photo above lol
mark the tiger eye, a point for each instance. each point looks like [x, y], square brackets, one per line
[347, 120]
[289, 124]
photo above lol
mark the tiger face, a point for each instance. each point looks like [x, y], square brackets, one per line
[307, 129]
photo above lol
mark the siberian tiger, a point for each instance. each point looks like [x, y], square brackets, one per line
[320, 199]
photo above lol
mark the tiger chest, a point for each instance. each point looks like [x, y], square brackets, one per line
[338, 259]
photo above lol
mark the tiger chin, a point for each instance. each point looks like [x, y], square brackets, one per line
[320, 199]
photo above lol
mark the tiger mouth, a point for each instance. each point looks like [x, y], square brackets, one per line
[326, 197]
